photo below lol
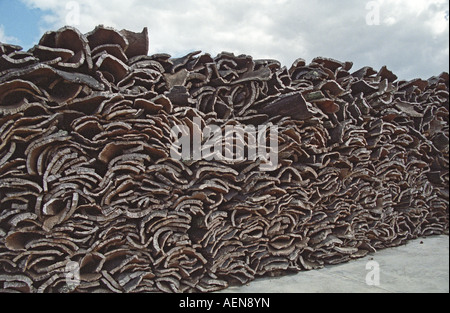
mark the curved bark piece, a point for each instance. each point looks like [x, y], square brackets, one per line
[292, 104]
[15, 95]
[138, 43]
[44, 53]
[42, 71]
[112, 49]
[70, 38]
[113, 66]
[62, 92]
[106, 35]
[332, 64]
[16, 60]
[6, 48]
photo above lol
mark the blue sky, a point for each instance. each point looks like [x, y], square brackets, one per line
[410, 37]
[20, 22]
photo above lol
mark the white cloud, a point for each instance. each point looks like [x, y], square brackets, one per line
[5, 38]
[412, 38]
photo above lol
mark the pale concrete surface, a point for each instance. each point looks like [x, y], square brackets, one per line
[420, 266]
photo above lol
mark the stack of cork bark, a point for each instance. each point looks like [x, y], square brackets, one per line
[87, 176]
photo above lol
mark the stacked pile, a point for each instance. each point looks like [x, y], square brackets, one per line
[87, 177]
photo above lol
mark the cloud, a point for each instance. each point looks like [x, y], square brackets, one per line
[411, 37]
[5, 38]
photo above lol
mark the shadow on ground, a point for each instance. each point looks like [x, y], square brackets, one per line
[422, 266]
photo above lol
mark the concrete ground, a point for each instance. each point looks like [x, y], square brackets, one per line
[420, 266]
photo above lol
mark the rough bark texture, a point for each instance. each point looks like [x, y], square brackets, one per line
[86, 174]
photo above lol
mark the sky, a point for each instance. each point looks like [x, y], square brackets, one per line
[410, 37]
